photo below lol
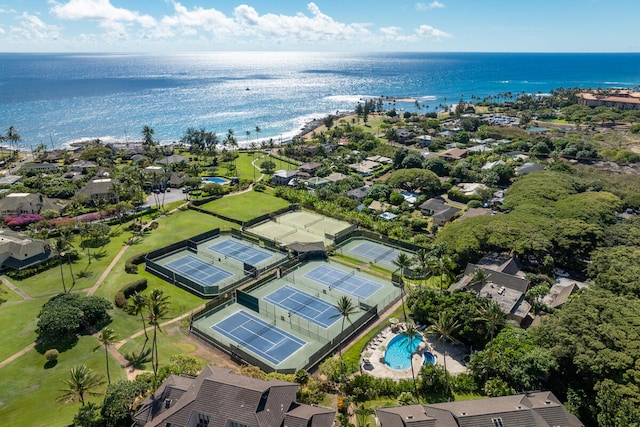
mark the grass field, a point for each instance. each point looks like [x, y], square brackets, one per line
[28, 390]
[18, 326]
[246, 206]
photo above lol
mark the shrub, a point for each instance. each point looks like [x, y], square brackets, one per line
[131, 265]
[51, 355]
[635, 128]
[133, 287]
[458, 196]
[120, 300]
[259, 187]
[474, 204]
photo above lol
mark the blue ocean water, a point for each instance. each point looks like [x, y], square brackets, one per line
[60, 98]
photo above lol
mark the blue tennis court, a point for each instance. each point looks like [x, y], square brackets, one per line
[348, 283]
[240, 252]
[262, 338]
[376, 252]
[198, 270]
[304, 305]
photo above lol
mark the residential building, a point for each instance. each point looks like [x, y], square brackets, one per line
[491, 165]
[380, 159]
[336, 177]
[101, 189]
[172, 159]
[16, 204]
[39, 167]
[82, 166]
[533, 409]
[529, 167]
[358, 194]
[219, 398]
[283, 177]
[18, 251]
[505, 285]
[453, 154]
[311, 167]
[365, 167]
[9, 180]
[439, 212]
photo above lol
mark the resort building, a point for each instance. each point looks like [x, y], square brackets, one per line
[534, 409]
[16, 204]
[101, 189]
[622, 99]
[219, 398]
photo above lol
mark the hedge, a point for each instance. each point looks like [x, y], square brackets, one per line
[44, 266]
[458, 196]
[128, 290]
[131, 265]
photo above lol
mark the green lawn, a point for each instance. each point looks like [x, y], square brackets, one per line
[246, 206]
[18, 326]
[49, 282]
[28, 390]
[170, 343]
[7, 295]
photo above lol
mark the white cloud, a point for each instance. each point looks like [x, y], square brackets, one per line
[427, 31]
[432, 5]
[99, 10]
[31, 27]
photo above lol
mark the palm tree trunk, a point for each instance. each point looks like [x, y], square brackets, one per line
[106, 356]
[62, 274]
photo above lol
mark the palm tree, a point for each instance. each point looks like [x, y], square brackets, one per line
[362, 414]
[61, 245]
[479, 277]
[422, 259]
[411, 332]
[494, 318]
[157, 309]
[82, 383]
[444, 266]
[107, 337]
[443, 328]
[402, 261]
[345, 308]
[13, 137]
[137, 304]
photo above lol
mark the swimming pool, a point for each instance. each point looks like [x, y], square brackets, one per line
[429, 358]
[214, 179]
[399, 351]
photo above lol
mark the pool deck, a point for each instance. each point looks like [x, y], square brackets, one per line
[374, 354]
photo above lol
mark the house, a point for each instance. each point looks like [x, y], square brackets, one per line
[16, 204]
[504, 284]
[424, 140]
[529, 167]
[82, 166]
[336, 177]
[380, 159]
[9, 180]
[172, 159]
[388, 216]
[283, 177]
[310, 168]
[531, 409]
[18, 251]
[491, 165]
[472, 188]
[365, 167]
[317, 182]
[100, 189]
[480, 148]
[453, 154]
[219, 398]
[39, 167]
[439, 212]
[358, 194]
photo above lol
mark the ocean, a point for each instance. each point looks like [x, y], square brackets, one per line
[56, 99]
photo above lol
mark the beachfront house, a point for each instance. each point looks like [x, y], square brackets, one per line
[283, 177]
[219, 398]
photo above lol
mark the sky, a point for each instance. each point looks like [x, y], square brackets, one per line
[319, 25]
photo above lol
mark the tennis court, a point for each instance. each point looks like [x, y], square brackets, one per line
[304, 305]
[346, 282]
[239, 251]
[376, 252]
[198, 270]
[262, 338]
